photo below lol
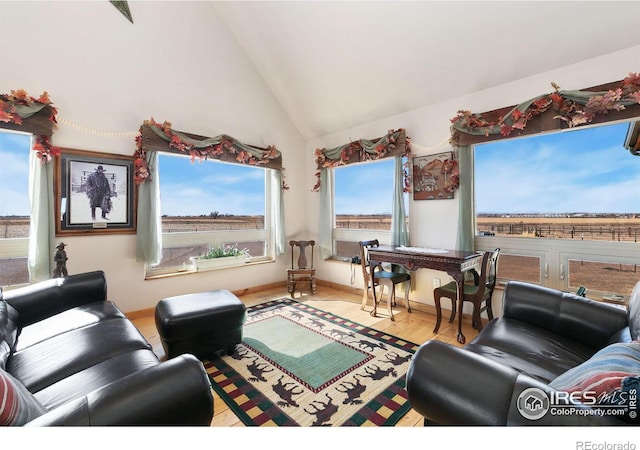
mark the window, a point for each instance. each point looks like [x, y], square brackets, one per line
[363, 200]
[14, 207]
[211, 203]
[563, 208]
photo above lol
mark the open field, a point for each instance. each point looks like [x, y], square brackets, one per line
[623, 229]
[598, 275]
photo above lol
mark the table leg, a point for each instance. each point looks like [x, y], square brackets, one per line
[372, 266]
[459, 277]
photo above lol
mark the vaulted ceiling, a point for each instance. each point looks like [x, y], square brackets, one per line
[338, 64]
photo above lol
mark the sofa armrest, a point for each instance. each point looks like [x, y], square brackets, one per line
[451, 386]
[592, 323]
[448, 385]
[175, 392]
[47, 298]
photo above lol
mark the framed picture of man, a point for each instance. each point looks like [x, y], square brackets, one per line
[94, 193]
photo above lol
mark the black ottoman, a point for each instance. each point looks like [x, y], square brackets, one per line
[201, 324]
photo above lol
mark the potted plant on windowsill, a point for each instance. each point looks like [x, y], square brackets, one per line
[221, 256]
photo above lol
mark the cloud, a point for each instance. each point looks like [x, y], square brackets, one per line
[559, 173]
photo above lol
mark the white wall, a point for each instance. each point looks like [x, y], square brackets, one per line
[434, 223]
[177, 62]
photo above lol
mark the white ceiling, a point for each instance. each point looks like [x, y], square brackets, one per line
[338, 64]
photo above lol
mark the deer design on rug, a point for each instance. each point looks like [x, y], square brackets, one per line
[258, 369]
[340, 334]
[353, 391]
[322, 411]
[286, 391]
[376, 373]
[296, 315]
[315, 323]
[363, 343]
[395, 359]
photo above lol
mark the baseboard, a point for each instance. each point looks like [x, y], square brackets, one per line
[429, 309]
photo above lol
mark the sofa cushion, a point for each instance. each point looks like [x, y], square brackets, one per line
[49, 361]
[8, 331]
[72, 319]
[537, 352]
[604, 373]
[633, 312]
[92, 378]
[17, 405]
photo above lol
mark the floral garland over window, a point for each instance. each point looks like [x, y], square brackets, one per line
[19, 105]
[452, 173]
[365, 150]
[210, 148]
[573, 107]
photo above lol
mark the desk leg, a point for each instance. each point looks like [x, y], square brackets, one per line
[372, 266]
[459, 277]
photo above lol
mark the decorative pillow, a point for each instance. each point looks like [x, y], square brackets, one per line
[17, 405]
[609, 375]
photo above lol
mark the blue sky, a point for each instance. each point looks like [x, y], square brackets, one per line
[14, 174]
[209, 186]
[583, 170]
[365, 188]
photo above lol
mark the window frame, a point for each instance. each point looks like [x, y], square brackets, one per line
[18, 247]
[554, 254]
[355, 234]
[267, 234]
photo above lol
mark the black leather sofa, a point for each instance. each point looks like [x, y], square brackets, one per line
[576, 353]
[70, 357]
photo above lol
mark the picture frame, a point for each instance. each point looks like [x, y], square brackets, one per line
[95, 193]
[435, 177]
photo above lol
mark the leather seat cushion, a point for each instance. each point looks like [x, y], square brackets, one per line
[66, 321]
[95, 377]
[47, 362]
[528, 349]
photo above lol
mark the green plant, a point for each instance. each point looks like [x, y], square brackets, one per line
[222, 251]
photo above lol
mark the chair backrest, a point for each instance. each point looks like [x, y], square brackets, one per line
[302, 257]
[364, 257]
[488, 274]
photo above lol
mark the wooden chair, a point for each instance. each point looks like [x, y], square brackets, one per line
[478, 293]
[381, 278]
[303, 272]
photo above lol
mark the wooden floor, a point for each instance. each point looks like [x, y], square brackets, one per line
[416, 327]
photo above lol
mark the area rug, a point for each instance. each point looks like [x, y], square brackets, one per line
[301, 366]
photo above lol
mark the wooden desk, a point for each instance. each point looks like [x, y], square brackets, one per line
[454, 262]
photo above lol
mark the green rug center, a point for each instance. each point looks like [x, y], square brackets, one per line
[298, 350]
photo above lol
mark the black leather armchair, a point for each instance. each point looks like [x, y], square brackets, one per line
[542, 334]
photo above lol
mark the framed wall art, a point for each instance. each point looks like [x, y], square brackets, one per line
[94, 193]
[435, 177]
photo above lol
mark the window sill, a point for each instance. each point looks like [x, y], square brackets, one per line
[191, 271]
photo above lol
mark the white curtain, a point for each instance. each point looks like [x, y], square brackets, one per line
[325, 227]
[42, 224]
[399, 229]
[277, 214]
[464, 238]
[149, 222]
